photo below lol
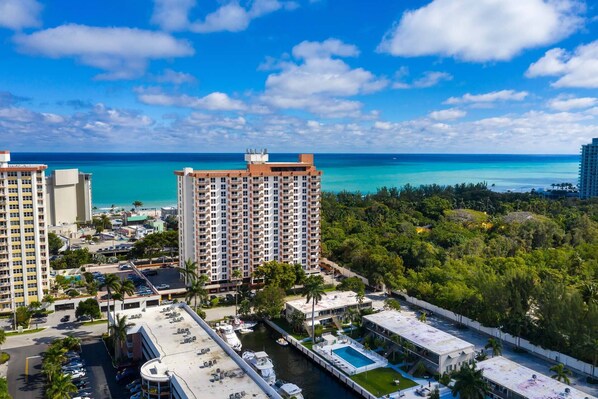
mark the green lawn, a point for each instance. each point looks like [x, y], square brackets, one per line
[381, 381]
[34, 330]
[100, 321]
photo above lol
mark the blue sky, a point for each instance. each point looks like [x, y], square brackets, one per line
[455, 76]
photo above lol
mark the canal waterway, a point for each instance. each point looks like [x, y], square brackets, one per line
[292, 366]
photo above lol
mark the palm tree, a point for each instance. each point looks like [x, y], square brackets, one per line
[313, 290]
[561, 373]
[423, 317]
[352, 315]
[119, 332]
[189, 271]
[495, 345]
[55, 354]
[137, 204]
[236, 277]
[297, 320]
[61, 387]
[71, 343]
[196, 289]
[112, 284]
[126, 287]
[469, 383]
[51, 370]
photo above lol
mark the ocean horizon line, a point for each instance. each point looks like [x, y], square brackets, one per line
[299, 152]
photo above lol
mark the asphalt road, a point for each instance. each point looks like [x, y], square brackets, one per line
[25, 379]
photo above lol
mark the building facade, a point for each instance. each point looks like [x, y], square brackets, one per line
[588, 170]
[439, 351]
[238, 219]
[24, 264]
[68, 196]
[333, 305]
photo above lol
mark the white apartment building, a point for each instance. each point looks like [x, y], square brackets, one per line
[510, 380]
[24, 263]
[238, 219]
[440, 351]
[588, 170]
[68, 196]
[333, 304]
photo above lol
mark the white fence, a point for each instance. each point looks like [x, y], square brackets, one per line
[323, 363]
[554, 356]
[343, 271]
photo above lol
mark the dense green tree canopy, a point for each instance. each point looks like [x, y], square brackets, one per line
[516, 260]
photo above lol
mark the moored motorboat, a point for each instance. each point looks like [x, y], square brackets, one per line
[282, 342]
[288, 390]
[228, 335]
[239, 324]
[261, 363]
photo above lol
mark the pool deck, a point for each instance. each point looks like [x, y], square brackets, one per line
[327, 351]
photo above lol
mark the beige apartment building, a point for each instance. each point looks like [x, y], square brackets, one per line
[68, 197]
[238, 219]
[24, 264]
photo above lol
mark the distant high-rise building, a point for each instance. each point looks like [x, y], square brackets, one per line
[24, 263]
[588, 170]
[69, 197]
[238, 219]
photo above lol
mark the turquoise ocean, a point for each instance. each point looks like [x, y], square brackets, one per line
[121, 178]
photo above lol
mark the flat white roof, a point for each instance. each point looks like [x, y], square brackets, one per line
[332, 300]
[519, 379]
[181, 361]
[419, 333]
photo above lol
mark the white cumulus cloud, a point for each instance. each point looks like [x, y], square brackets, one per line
[488, 98]
[577, 69]
[567, 104]
[19, 14]
[447, 114]
[317, 82]
[215, 101]
[123, 53]
[482, 30]
[173, 15]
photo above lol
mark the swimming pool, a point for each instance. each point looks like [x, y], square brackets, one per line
[353, 357]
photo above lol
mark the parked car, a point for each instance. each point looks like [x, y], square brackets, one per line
[127, 373]
[133, 383]
[135, 388]
[83, 318]
[76, 374]
[125, 266]
[162, 286]
[66, 318]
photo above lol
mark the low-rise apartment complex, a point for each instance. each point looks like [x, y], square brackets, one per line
[332, 305]
[440, 352]
[510, 380]
[182, 357]
[24, 263]
[233, 220]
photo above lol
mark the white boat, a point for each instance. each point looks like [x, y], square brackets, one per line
[245, 330]
[261, 363]
[282, 342]
[239, 324]
[228, 335]
[288, 390]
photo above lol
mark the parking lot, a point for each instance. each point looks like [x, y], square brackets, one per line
[102, 376]
[168, 276]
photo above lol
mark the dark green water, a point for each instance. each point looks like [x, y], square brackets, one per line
[292, 366]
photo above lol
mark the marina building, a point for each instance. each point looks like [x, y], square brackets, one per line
[510, 380]
[24, 263]
[439, 351]
[238, 219]
[332, 306]
[588, 170]
[182, 357]
[68, 193]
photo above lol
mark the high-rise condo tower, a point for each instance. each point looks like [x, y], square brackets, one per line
[588, 170]
[238, 219]
[24, 263]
